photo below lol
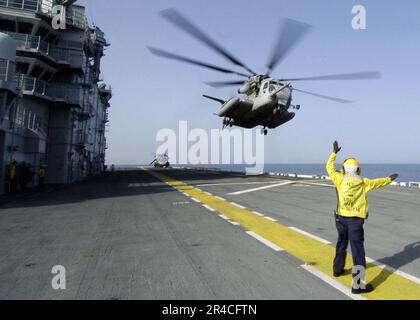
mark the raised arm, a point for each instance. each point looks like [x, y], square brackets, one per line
[332, 172]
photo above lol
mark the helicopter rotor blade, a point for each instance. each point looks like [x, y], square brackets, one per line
[345, 76]
[220, 84]
[290, 35]
[173, 56]
[323, 96]
[215, 99]
[183, 23]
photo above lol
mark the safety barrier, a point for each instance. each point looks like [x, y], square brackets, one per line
[299, 176]
[53, 91]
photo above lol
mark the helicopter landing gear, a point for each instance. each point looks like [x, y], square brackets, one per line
[228, 123]
[264, 131]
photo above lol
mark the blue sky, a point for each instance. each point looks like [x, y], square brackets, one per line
[151, 93]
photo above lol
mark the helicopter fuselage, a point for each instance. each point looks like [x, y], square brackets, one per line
[265, 105]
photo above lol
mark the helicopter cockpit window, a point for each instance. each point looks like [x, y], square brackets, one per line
[272, 88]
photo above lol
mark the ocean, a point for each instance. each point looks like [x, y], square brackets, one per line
[408, 172]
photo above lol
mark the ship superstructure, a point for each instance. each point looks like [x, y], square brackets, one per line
[53, 102]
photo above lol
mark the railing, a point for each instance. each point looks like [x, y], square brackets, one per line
[28, 42]
[67, 92]
[32, 5]
[7, 70]
[74, 15]
[73, 58]
[69, 51]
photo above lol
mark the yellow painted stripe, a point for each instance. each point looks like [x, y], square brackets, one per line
[389, 286]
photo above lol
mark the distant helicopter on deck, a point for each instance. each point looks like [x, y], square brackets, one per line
[161, 161]
[267, 100]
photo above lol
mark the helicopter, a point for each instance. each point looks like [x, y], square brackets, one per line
[267, 101]
[161, 161]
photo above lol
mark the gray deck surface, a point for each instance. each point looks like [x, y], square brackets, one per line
[126, 235]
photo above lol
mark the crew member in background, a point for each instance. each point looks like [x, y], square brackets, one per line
[42, 172]
[11, 174]
[352, 211]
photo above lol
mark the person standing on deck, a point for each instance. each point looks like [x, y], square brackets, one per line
[352, 211]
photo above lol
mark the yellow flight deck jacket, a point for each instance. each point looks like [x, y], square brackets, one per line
[352, 190]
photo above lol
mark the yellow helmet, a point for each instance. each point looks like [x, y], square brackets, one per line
[351, 166]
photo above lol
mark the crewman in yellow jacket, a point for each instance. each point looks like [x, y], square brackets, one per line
[42, 172]
[352, 211]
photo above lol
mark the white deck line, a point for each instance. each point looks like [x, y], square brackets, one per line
[393, 270]
[335, 284]
[270, 219]
[235, 184]
[261, 188]
[238, 205]
[316, 184]
[265, 241]
[310, 235]
[209, 208]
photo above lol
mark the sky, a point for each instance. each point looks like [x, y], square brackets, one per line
[151, 93]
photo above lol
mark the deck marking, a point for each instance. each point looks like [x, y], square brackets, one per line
[238, 205]
[234, 223]
[258, 214]
[224, 217]
[393, 270]
[265, 241]
[317, 184]
[271, 219]
[208, 208]
[234, 184]
[207, 193]
[388, 285]
[237, 193]
[310, 235]
[195, 200]
[220, 198]
[337, 285]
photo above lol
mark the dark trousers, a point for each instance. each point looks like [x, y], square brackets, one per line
[349, 230]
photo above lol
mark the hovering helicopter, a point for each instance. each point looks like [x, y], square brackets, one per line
[267, 100]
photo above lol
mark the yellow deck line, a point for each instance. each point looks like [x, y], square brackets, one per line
[389, 286]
